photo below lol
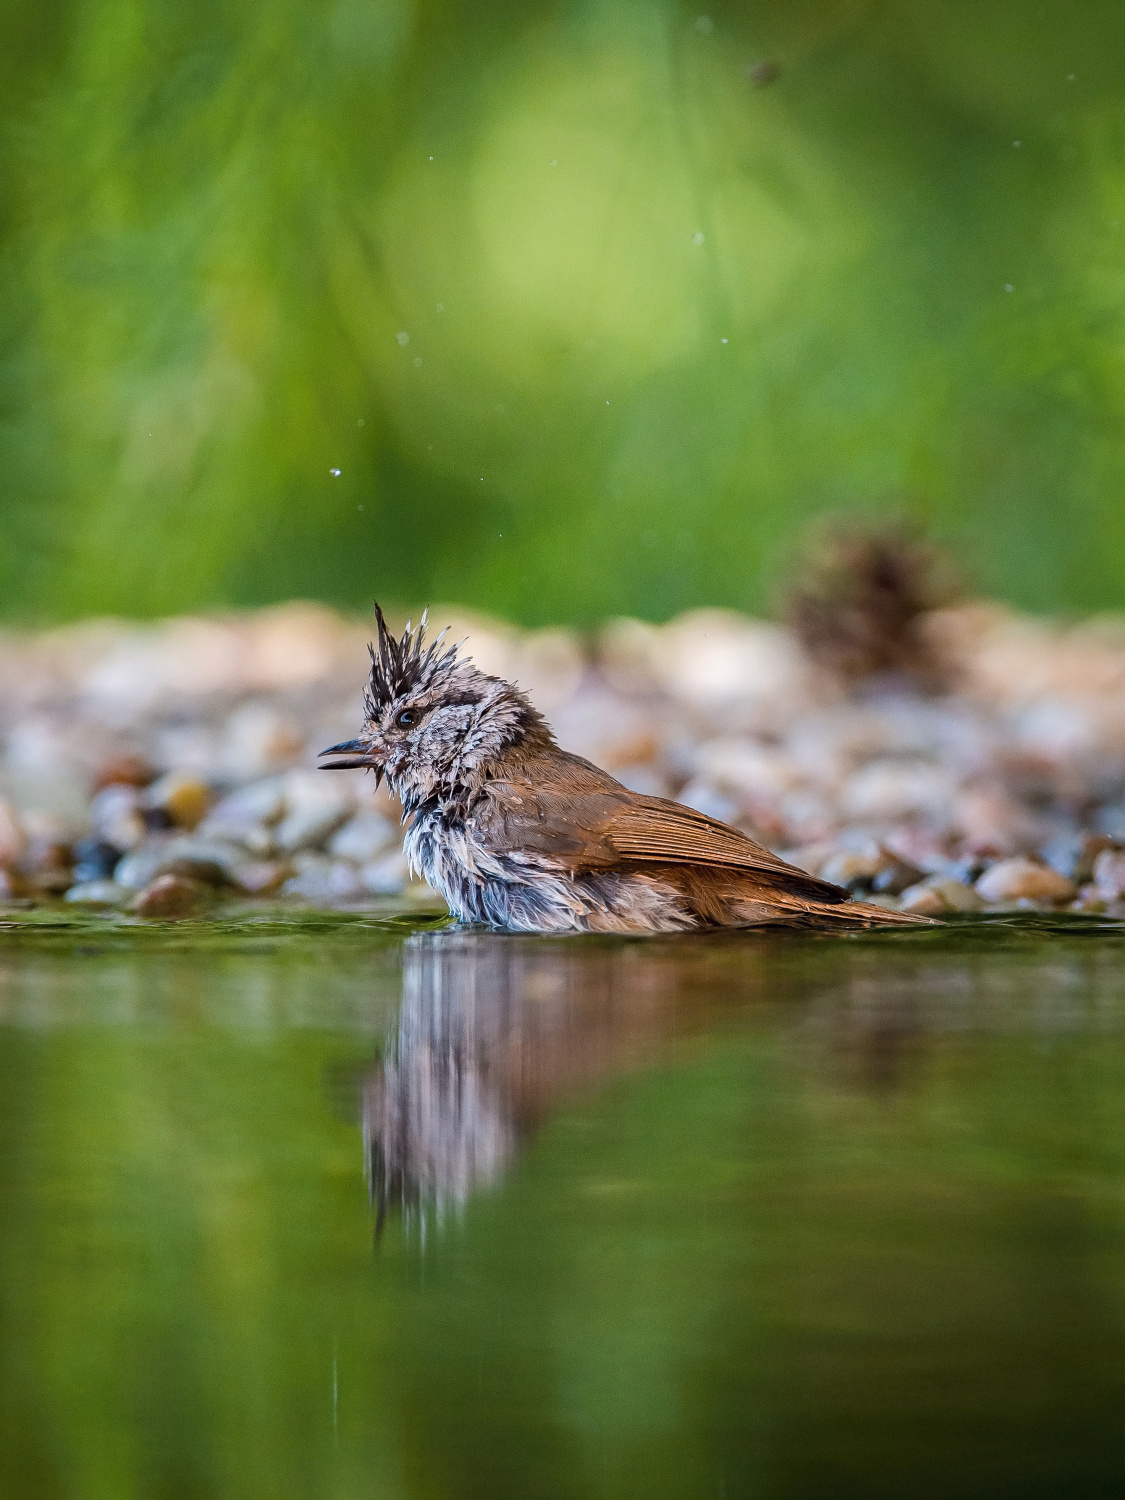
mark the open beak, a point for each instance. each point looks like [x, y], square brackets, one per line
[357, 758]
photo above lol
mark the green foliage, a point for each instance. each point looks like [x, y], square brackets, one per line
[588, 321]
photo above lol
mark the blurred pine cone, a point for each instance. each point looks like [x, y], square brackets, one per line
[860, 599]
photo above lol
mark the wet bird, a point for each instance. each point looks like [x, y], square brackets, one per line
[516, 833]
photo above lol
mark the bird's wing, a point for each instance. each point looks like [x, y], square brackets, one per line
[597, 825]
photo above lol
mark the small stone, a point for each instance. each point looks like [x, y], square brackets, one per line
[924, 900]
[47, 865]
[1019, 879]
[1073, 854]
[1110, 820]
[887, 790]
[181, 796]
[314, 808]
[99, 893]
[115, 816]
[207, 861]
[1090, 900]
[247, 817]
[259, 738]
[13, 838]
[12, 887]
[956, 895]
[321, 879]
[95, 859]
[1109, 874]
[261, 877]
[386, 877]
[141, 866]
[853, 869]
[364, 838]
[895, 877]
[168, 898]
[123, 770]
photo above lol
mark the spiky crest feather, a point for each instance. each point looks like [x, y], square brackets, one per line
[401, 666]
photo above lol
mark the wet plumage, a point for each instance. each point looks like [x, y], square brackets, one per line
[515, 832]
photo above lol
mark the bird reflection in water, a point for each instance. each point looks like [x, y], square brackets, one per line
[492, 1031]
[496, 1030]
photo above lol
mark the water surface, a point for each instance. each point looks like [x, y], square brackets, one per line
[338, 1206]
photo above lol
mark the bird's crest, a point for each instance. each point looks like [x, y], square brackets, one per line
[405, 664]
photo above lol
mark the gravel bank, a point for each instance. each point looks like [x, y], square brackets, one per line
[157, 767]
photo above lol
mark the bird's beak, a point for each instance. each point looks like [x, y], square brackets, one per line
[358, 758]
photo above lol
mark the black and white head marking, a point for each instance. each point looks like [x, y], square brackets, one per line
[433, 720]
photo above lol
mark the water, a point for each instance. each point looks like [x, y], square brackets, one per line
[334, 1207]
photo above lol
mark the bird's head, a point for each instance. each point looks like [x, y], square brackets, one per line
[433, 722]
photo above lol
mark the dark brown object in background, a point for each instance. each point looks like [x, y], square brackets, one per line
[860, 600]
[762, 74]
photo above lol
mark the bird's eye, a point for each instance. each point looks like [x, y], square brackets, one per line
[406, 718]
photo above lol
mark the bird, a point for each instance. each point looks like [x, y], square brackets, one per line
[517, 834]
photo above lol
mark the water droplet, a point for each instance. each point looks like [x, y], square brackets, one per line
[724, 341]
[1008, 287]
[335, 473]
[361, 423]
[1017, 144]
[697, 237]
[439, 306]
[403, 338]
[417, 364]
[359, 507]
[554, 162]
[431, 158]
[1070, 77]
[704, 25]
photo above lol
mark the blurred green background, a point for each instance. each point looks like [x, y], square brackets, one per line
[591, 310]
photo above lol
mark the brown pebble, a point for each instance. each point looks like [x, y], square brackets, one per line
[1019, 879]
[123, 770]
[12, 886]
[168, 898]
[924, 900]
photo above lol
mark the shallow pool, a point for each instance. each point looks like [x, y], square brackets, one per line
[331, 1206]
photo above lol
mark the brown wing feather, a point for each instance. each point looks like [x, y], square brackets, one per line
[563, 806]
[652, 828]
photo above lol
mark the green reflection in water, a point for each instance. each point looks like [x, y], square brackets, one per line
[734, 1216]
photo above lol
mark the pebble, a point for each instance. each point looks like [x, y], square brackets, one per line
[1109, 874]
[169, 898]
[203, 860]
[124, 770]
[387, 876]
[364, 838]
[13, 839]
[924, 900]
[1019, 879]
[95, 859]
[321, 879]
[181, 797]
[853, 869]
[315, 807]
[940, 893]
[115, 816]
[99, 893]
